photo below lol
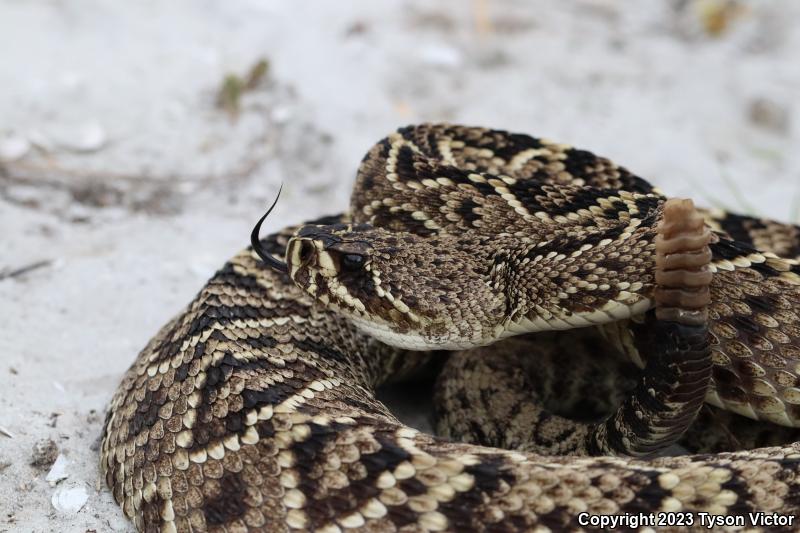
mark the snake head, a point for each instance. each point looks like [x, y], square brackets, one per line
[401, 288]
[327, 253]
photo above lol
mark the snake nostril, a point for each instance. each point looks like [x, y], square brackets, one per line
[306, 251]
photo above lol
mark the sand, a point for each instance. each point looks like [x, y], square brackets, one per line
[124, 184]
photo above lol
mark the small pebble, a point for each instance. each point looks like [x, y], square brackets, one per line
[769, 115]
[87, 137]
[58, 471]
[441, 56]
[45, 453]
[281, 114]
[69, 499]
[13, 147]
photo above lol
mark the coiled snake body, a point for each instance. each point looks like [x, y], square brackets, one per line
[254, 409]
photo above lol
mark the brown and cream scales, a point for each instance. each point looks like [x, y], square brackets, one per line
[254, 409]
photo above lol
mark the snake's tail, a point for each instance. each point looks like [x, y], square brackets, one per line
[678, 371]
[682, 260]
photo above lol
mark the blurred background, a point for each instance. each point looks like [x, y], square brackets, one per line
[140, 141]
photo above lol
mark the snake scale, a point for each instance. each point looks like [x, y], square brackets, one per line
[254, 408]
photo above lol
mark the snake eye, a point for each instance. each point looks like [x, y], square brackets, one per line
[353, 262]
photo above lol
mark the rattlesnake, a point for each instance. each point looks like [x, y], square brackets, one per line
[254, 409]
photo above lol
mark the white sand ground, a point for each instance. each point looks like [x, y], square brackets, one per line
[118, 170]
